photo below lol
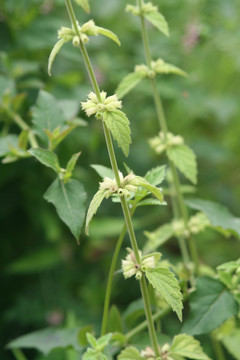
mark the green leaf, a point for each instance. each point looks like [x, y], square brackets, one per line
[130, 353]
[162, 67]
[118, 124]
[103, 171]
[46, 115]
[156, 175]
[128, 83]
[23, 140]
[133, 312]
[103, 341]
[218, 215]
[158, 237]
[84, 4]
[6, 142]
[185, 160]
[57, 47]
[211, 304]
[72, 162]
[70, 202]
[164, 281]
[115, 320]
[92, 340]
[232, 343]
[153, 189]
[147, 202]
[158, 20]
[48, 339]
[108, 33]
[187, 346]
[47, 158]
[93, 207]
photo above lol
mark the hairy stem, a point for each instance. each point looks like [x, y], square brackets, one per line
[114, 165]
[24, 126]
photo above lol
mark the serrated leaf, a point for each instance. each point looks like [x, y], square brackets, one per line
[46, 340]
[158, 237]
[158, 20]
[164, 281]
[185, 160]
[128, 83]
[130, 353]
[70, 202]
[84, 4]
[153, 189]
[156, 175]
[187, 346]
[118, 124]
[46, 115]
[93, 207]
[103, 171]
[218, 215]
[72, 162]
[232, 343]
[57, 47]
[6, 142]
[211, 304]
[46, 157]
[109, 34]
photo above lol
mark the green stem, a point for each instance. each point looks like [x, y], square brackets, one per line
[24, 126]
[110, 280]
[113, 161]
[217, 346]
[19, 355]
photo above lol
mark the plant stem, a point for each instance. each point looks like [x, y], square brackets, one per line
[19, 355]
[113, 161]
[217, 346]
[24, 126]
[163, 126]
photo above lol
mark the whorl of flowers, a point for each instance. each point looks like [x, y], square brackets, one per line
[94, 106]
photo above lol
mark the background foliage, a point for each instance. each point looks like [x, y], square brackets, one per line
[46, 278]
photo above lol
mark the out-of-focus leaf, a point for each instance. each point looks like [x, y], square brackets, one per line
[93, 207]
[115, 320]
[158, 237]
[103, 171]
[46, 157]
[128, 83]
[6, 141]
[84, 4]
[158, 20]
[109, 34]
[232, 343]
[156, 175]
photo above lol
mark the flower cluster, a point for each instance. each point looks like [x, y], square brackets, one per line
[160, 144]
[146, 9]
[145, 71]
[196, 224]
[149, 354]
[69, 34]
[131, 266]
[128, 184]
[94, 106]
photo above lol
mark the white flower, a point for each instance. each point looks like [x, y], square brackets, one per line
[94, 106]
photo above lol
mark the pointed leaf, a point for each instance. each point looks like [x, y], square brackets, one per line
[128, 83]
[162, 67]
[118, 124]
[130, 353]
[70, 202]
[72, 162]
[158, 20]
[151, 202]
[103, 171]
[185, 160]
[84, 4]
[218, 215]
[93, 207]
[109, 34]
[231, 342]
[47, 158]
[187, 346]
[103, 341]
[156, 175]
[46, 115]
[164, 281]
[6, 142]
[91, 340]
[115, 320]
[211, 304]
[53, 54]
[153, 189]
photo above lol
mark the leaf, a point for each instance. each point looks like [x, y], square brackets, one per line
[84, 4]
[108, 33]
[118, 124]
[130, 353]
[153, 189]
[218, 215]
[133, 312]
[211, 304]
[91, 340]
[103, 171]
[147, 202]
[158, 237]
[46, 115]
[93, 207]
[115, 320]
[162, 67]
[185, 160]
[70, 202]
[164, 281]
[23, 140]
[46, 340]
[72, 162]
[156, 175]
[103, 341]
[187, 346]
[158, 20]
[57, 47]
[6, 142]
[128, 83]
[47, 158]
[232, 343]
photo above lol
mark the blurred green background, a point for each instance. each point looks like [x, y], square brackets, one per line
[46, 278]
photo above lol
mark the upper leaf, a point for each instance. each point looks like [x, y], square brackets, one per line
[47, 158]
[162, 67]
[130, 353]
[187, 346]
[109, 34]
[103, 171]
[164, 281]
[46, 115]
[156, 175]
[93, 207]
[158, 20]
[211, 304]
[128, 83]
[217, 214]
[185, 160]
[57, 47]
[84, 4]
[153, 189]
[118, 124]
[6, 142]
[70, 202]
